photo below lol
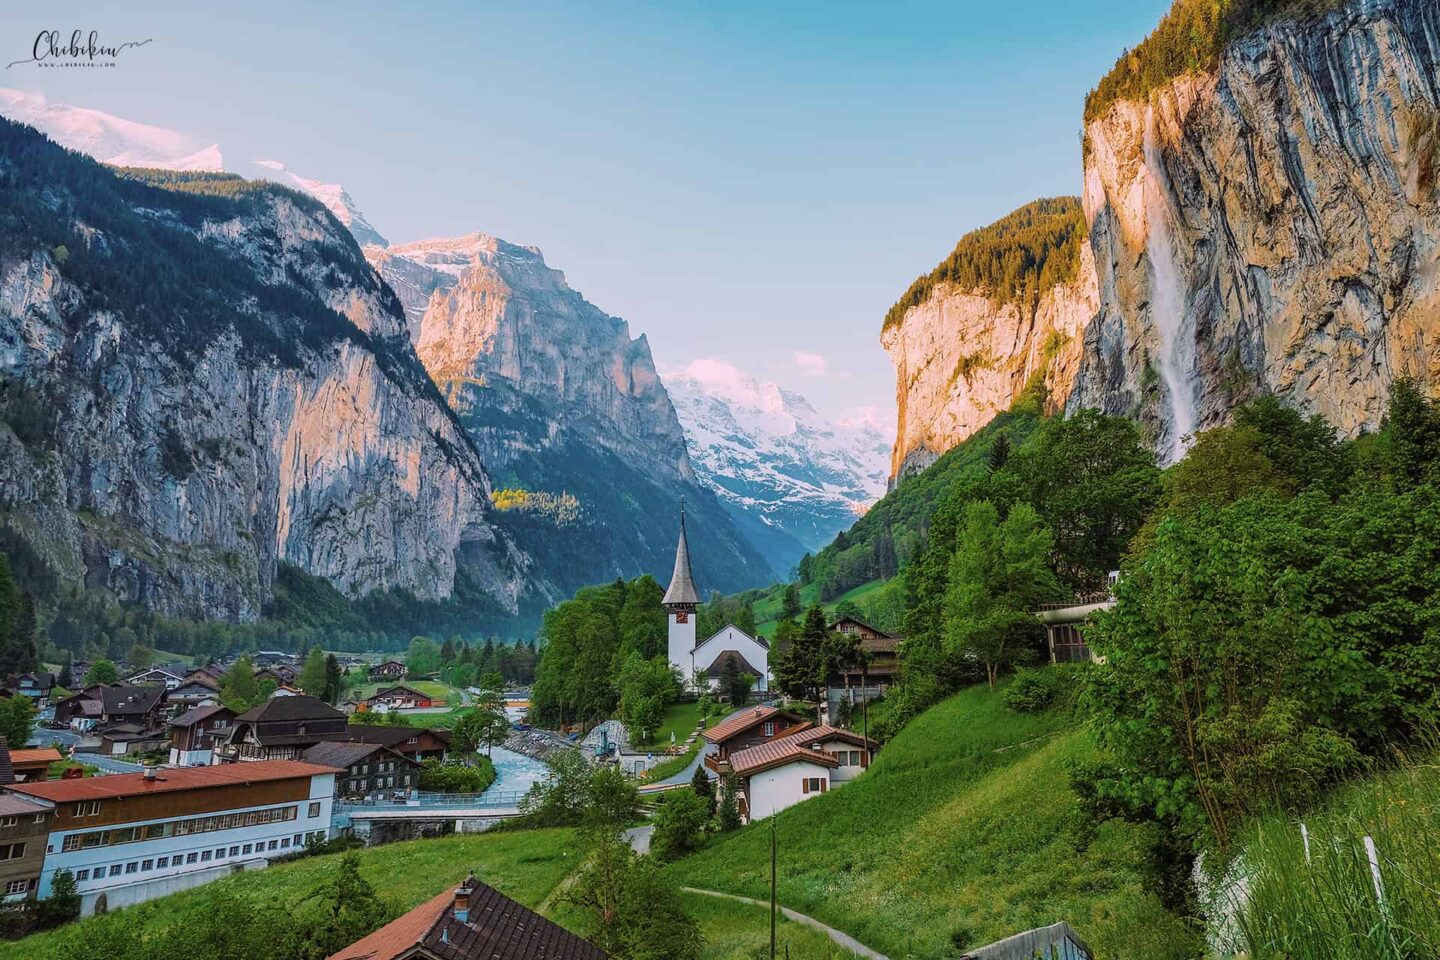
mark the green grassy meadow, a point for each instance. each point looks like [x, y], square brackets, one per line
[768, 607]
[961, 833]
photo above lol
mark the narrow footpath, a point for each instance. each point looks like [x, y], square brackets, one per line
[840, 937]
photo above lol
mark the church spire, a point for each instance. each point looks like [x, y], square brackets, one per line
[682, 584]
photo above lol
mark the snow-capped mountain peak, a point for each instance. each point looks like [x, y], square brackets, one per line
[111, 139]
[771, 457]
[336, 198]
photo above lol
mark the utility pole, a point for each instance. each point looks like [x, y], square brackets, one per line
[772, 886]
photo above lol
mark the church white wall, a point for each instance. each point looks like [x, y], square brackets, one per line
[682, 641]
[733, 638]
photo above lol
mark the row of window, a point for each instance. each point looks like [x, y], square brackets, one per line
[181, 828]
[15, 820]
[87, 874]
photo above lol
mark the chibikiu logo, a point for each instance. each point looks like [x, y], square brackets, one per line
[82, 50]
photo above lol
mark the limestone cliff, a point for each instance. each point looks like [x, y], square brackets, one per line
[967, 340]
[1271, 226]
[171, 439]
[561, 402]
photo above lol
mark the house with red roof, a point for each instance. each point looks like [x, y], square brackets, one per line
[130, 837]
[775, 759]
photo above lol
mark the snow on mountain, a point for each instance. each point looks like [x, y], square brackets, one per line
[110, 139]
[334, 196]
[771, 457]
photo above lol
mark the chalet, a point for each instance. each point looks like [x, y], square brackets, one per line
[389, 670]
[282, 675]
[875, 670]
[193, 733]
[287, 691]
[211, 674]
[372, 771]
[782, 772]
[170, 676]
[410, 742]
[195, 691]
[24, 829]
[1064, 622]
[748, 728]
[140, 705]
[30, 764]
[130, 837]
[280, 729]
[36, 686]
[120, 739]
[471, 922]
[83, 705]
[397, 698]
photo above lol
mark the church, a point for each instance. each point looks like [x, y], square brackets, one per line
[730, 646]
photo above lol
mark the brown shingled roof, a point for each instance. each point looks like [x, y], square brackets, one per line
[777, 753]
[496, 928]
[823, 733]
[744, 719]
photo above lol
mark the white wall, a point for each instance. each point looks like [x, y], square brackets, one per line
[681, 643]
[779, 787]
[845, 771]
[733, 638]
[141, 885]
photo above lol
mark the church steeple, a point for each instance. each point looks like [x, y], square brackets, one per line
[682, 592]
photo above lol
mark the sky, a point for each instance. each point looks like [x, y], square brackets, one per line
[750, 182]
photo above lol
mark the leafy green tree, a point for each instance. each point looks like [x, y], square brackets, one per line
[18, 651]
[560, 799]
[422, 659]
[63, 904]
[139, 656]
[612, 802]
[239, 690]
[803, 666]
[17, 720]
[680, 821]
[806, 568]
[630, 909]
[645, 688]
[334, 680]
[700, 783]
[484, 726]
[790, 602]
[998, 576]
[102, 671]
[314, 678]
[728, 814]
[345, 909]
[492, 680]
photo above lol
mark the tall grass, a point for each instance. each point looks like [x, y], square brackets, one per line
[1322, 904]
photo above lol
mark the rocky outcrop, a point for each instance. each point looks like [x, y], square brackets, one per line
[561, 401]
[172, 442]
[961, 357]
[1272, 227]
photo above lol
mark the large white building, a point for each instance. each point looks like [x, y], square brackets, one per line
[133, 837]
[730, 645]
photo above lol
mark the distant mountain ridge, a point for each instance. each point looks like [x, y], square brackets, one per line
[793, 478]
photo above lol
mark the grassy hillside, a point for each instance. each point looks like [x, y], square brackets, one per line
[881, 601]
[961, 833]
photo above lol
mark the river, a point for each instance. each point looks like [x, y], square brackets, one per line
[514, 772]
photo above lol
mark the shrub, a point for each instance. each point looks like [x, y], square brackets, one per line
[1032, 689]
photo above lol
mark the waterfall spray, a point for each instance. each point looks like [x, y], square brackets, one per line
[1176, 362]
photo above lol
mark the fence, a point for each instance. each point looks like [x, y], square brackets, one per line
[446, 801]
[1055, 942]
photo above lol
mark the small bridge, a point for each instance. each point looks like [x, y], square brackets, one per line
[380, 821]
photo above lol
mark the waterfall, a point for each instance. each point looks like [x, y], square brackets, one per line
[1176, 362]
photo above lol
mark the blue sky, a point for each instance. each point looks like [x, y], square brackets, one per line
[753, 182]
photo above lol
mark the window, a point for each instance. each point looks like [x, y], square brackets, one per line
[82, 875]
[812, 785]
[284, 841]
[12, 851]
[115, 869]
[314, 810]
[768, 728]
[17, 886]
[72, 842]
[191, 857]
[248, 848]
[132, 867]
[235, 850]
[204, 856]
[220, 854]
[9, 821]
[273, 844]
[84, 809]
[39, 818]
[163, 862]
[147, 866]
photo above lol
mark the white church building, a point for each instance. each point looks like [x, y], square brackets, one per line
[731, 645]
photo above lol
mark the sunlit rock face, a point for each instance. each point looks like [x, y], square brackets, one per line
[961, 357]
[1271, 228]
[560, 399]
[176, 468]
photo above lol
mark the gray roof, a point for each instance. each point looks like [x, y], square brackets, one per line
[195, 714]
[343, 753]
[682, 583]
[127, 699]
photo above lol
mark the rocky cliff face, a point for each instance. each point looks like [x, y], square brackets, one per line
[1272, 227]
[960, 358]
[172, 441]
[561, 401]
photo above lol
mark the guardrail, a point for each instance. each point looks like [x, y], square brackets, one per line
[507, 798]
[1058, 941]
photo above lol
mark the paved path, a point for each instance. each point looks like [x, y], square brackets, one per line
[639, 838]
[843, 939]
[109, 764]
[678, 778]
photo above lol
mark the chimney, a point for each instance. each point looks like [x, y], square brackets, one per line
[149, 773]
[462, 898]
